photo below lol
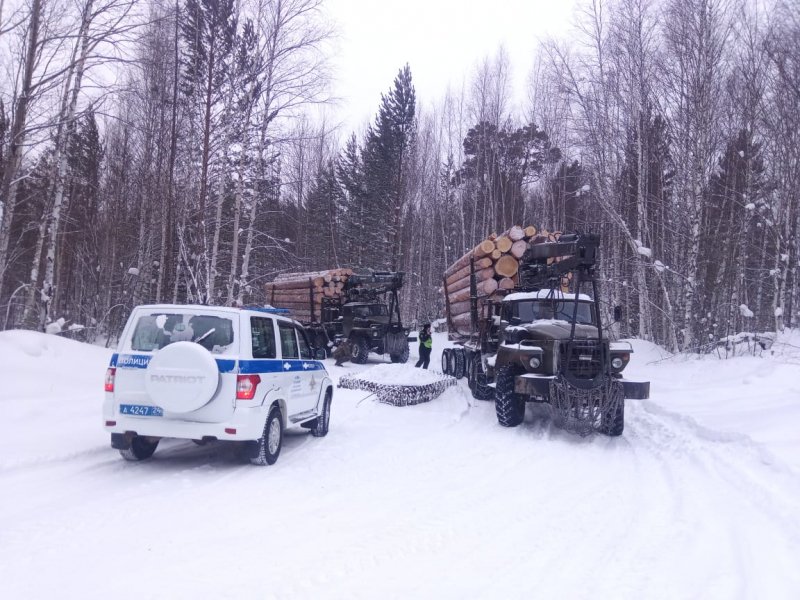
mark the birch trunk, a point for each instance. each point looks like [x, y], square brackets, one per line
[8, 186]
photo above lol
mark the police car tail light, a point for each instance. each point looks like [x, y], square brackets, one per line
[246, 386]
[111, 373]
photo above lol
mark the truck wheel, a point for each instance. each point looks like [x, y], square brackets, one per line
[269, 445]
[510, 406]
[360, 350]
[446, 361]
[140, 449]
[480, 391]
[402, 357]
[614, 423]
[320, 428]
[458, 363]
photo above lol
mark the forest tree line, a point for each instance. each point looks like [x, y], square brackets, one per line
[179, 152]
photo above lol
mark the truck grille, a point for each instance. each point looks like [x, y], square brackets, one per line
[583, 360]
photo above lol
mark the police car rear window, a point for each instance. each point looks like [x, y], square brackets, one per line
[157, 330]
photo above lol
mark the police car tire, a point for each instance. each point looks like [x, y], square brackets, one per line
[264, 456]
[360, 351]
[323, 421]
[509, 406]
[401, 358]
[140, 449]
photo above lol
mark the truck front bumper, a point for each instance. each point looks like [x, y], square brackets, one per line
[530, 384]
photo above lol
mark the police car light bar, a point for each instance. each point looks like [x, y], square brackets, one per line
[266, 309]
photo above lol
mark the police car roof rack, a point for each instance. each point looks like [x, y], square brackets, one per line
[268, 309]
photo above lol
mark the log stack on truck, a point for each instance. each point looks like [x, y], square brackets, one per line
[542, 339]
[303, 293]
[360, 306]
[496, 263]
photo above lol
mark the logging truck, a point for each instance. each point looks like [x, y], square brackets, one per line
[361, 307]
[540, 340]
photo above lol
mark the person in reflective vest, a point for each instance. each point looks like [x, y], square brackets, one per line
[425, 346]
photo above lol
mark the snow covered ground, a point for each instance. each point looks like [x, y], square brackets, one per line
[700, 498]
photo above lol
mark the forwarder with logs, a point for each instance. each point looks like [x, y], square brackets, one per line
[359, 306]
[540, 339]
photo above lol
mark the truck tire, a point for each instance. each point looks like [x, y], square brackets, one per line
[140, 449]
[510, 406]
[446, 361]
[401, 358]
[614, 423]
[459, 363]
[360, 350]
[480, 390]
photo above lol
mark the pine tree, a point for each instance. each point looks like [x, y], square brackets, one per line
[386, 166]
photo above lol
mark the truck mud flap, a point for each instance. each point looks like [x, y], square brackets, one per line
[636, 390]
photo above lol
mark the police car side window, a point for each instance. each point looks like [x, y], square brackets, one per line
[288, 341]
[263, 334]
[305, 349]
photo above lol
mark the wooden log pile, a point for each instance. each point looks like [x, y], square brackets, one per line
[496, 271]
[300, 292]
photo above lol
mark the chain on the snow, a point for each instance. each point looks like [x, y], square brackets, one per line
[398, 395]
[583, 411]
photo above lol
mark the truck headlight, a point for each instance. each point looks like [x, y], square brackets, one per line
[534, 362]
[616, 362]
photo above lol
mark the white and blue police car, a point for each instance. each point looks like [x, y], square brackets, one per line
[214, 373]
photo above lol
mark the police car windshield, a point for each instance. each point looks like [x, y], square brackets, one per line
[158, 330]
[528, 311]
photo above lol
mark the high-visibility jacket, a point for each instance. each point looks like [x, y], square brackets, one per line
[425, 340]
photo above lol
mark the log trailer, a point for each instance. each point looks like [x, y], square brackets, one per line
[364, 310]
[543, 343]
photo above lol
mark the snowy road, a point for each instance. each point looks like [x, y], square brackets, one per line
[430, 501]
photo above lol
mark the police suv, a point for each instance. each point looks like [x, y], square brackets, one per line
[214, 373]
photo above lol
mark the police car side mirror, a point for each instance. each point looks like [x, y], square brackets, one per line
[617, 314]
[319, 354]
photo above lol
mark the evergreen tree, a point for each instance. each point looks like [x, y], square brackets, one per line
[350, 173]
[386, 159]
[323, 211]
[500, 162]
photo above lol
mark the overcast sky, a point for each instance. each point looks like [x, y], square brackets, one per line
[442, 40]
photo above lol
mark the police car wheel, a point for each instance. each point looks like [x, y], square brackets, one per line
[324, 420]
[269, 445]
[140, 449]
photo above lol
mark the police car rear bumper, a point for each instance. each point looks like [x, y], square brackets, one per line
[244, 424]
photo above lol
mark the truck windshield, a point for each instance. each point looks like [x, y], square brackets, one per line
[371, 310]
[562, 310]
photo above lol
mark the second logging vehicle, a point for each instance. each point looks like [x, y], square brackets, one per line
[542, 344]
[367, 315]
